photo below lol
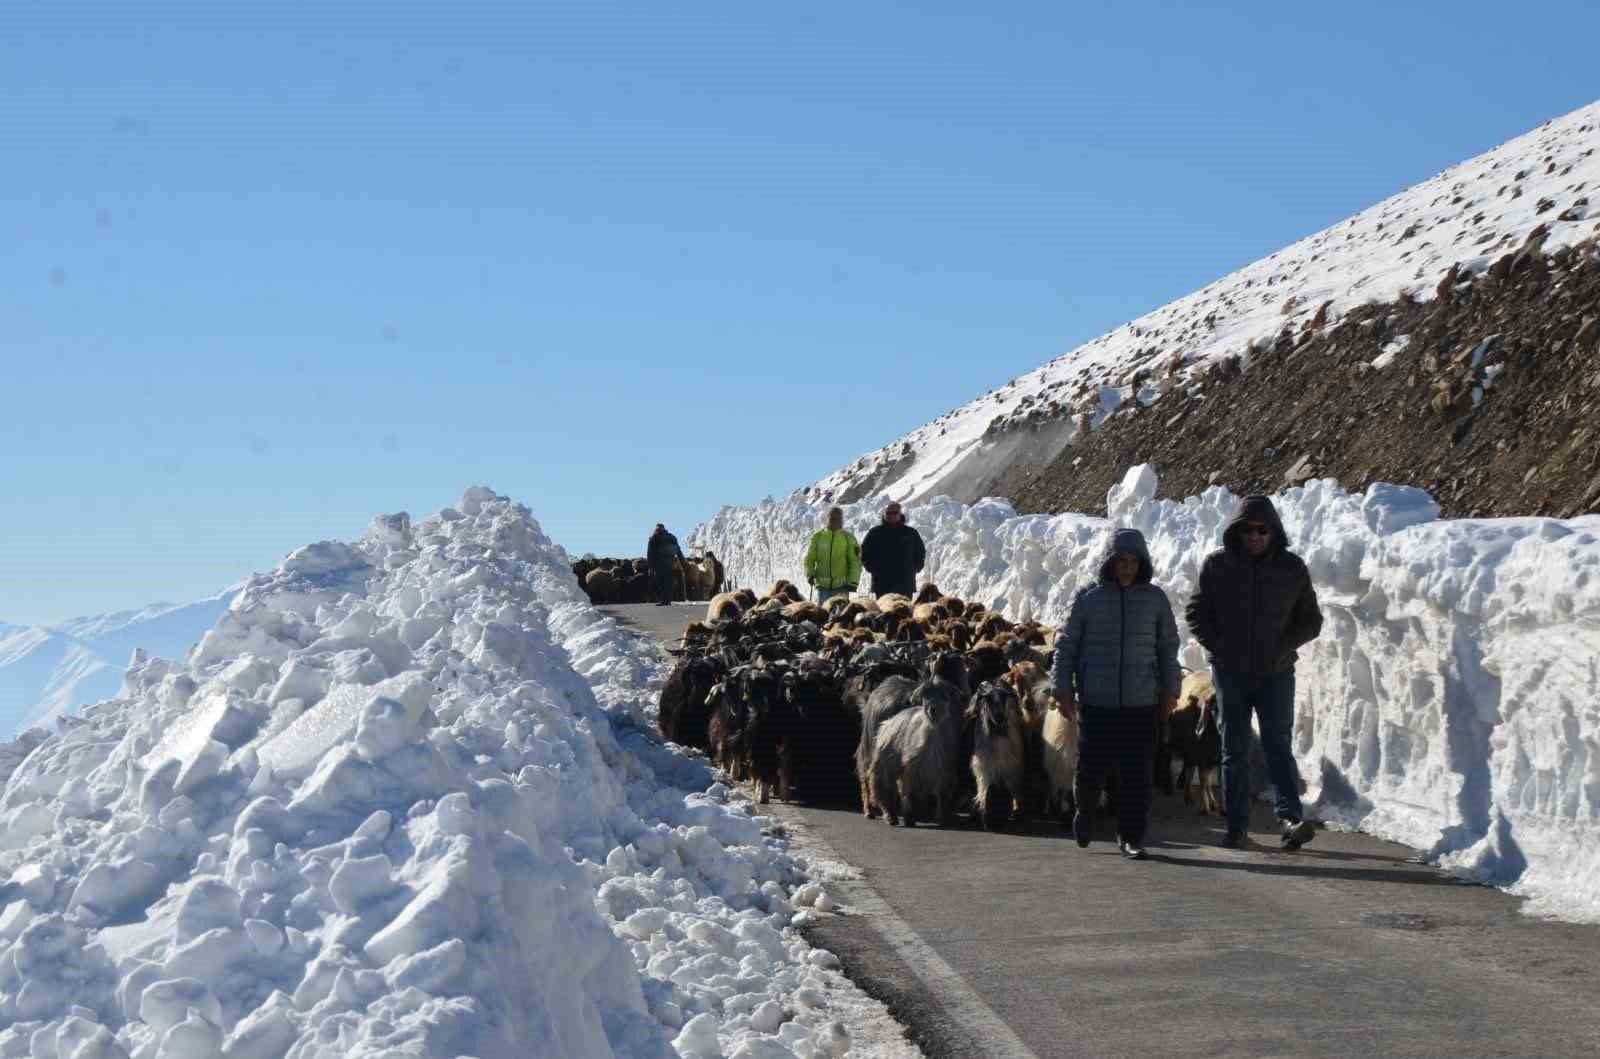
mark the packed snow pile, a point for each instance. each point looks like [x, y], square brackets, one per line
[50, 671]
[1452, 701]
[398, 801]
[1534, 191]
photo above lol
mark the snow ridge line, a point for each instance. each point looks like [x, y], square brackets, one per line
[1466, 216]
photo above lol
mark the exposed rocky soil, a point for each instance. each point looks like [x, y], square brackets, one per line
[1487, 395]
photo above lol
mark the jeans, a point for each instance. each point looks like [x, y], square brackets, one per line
[1123, 738]
[1271, 698]
[825, 594]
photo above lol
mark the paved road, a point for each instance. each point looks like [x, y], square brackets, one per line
[1023, 944]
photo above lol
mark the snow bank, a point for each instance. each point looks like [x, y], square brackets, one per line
[397, 801]
[1468, 215]
[1452, 701]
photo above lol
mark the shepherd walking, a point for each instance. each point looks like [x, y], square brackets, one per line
[662, 553]
[1117, 659]
[1254, 608]
[893, 554]
[833, 559]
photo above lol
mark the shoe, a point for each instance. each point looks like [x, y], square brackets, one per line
[1080, 828]
[1235, 840]
[1134, 851]
[1297, 833]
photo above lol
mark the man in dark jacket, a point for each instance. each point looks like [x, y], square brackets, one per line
[1254, 607]
[893, 553]
[1117, 656]
[660, 553]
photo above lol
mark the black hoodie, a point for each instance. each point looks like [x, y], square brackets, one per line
[1252, 613]
[892, 554]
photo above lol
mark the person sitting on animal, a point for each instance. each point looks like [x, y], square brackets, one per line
[661, 552]
[833, 559]
[893, 554]
[1116, 667]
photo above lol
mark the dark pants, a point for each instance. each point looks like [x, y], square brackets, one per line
[906, 586]
[1121, 738]
[1271, 699]
[663, 578]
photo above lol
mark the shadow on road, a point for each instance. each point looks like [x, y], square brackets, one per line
[1306, 868]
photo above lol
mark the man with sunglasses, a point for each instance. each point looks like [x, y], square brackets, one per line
[1254, 607]
[893, 553]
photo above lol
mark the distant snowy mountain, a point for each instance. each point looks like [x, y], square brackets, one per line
[1535, 190]
[49, 671]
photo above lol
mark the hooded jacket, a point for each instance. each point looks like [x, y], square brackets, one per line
[833, 560]
[892, 554]
[1252, 613]
[661, 550]
[1120, 645]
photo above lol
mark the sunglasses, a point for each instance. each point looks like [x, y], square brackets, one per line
[1258, 530]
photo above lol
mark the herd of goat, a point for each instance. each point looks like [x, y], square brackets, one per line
[628, 580]
[913, 707]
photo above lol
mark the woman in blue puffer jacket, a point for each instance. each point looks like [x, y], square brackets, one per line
[1117, 659]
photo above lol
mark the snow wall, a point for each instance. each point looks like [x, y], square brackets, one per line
[1451, 703]
[400, 799]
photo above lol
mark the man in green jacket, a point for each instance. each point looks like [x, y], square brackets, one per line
[833, 562]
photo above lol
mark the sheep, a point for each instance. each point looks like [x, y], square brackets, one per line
[637, 588]
[928, 613]
[785, 590]
[696, 579]
[730, 715]
[999, 754]
[683, 717]
[1196, 742]
[987, 661]
[826, 733]
[600, 586]
[1032, 685]
[927, 593]
[992, 626]
[889, 600]
[723, 607]
[889, 694]
[804, 611]
[916, 755]
[1058, 751]
[951, 666]
[767, 752]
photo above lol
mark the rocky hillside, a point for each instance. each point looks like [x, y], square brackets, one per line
[1441, 338]
[1487, 394]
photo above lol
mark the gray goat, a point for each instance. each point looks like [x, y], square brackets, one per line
[917, 755]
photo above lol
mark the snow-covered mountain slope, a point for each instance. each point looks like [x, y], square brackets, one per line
[1452, 700]
[401, 800]
[1539, 185]
[50, 671]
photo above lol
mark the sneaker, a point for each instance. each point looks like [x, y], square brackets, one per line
[1297, 833]
[1235, 840]
[1080, 828]
[1134, 851]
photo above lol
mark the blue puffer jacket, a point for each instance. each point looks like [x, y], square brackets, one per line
[1120, 645]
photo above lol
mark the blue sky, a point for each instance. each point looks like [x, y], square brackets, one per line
[269, 272]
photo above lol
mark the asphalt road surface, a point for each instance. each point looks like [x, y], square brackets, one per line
[1023, 944]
